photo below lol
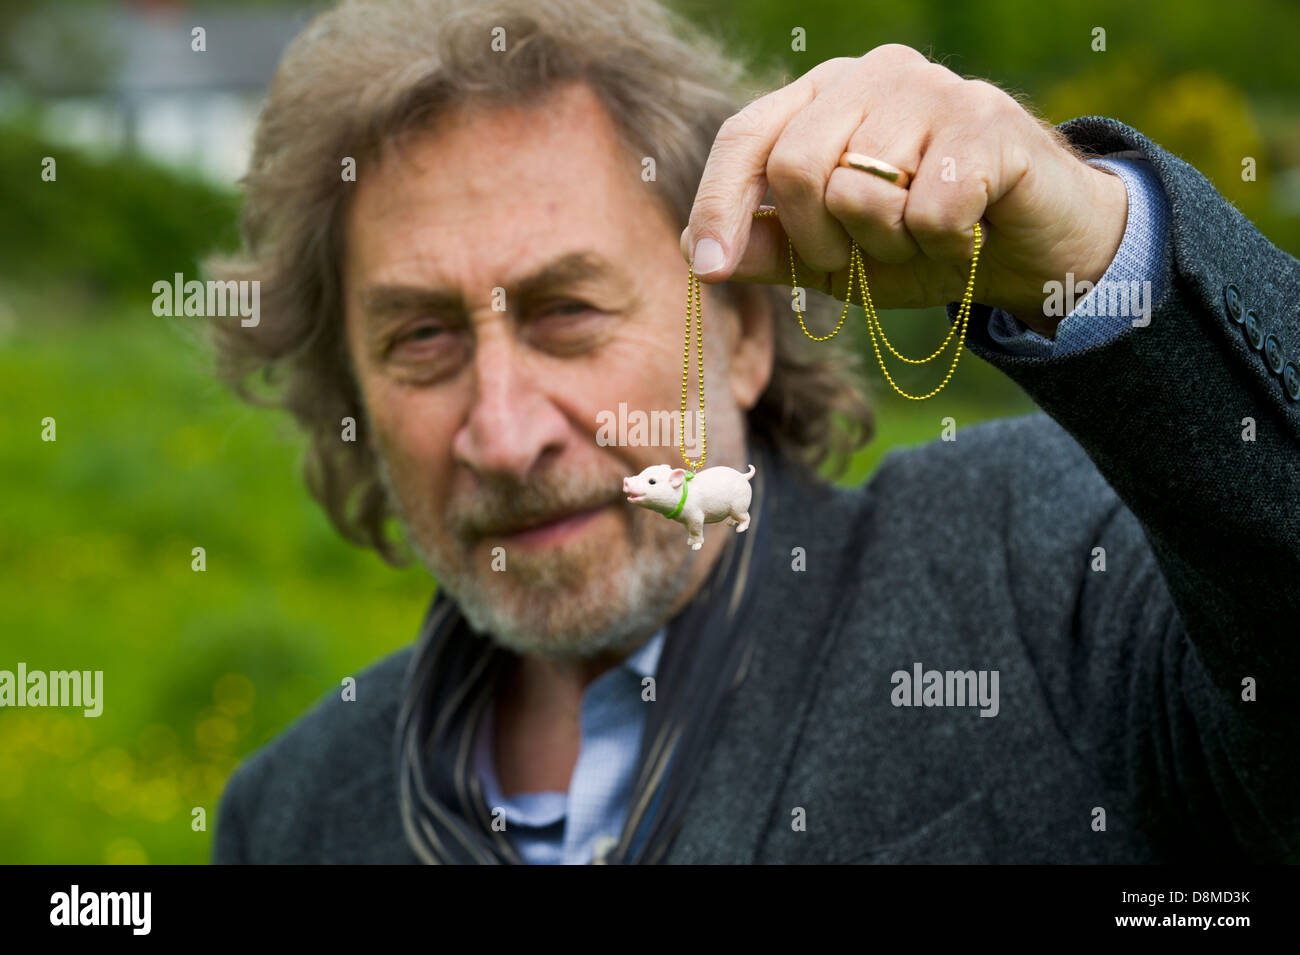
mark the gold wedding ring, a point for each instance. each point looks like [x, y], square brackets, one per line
[877, 167]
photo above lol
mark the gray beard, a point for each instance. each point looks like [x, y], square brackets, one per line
[561, 606]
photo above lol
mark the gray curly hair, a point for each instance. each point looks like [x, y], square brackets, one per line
[366, 73]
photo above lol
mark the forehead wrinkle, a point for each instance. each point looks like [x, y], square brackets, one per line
[480, 187]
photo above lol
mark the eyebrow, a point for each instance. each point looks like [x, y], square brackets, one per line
[573, 268]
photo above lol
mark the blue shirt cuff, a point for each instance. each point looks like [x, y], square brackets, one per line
[1125, 294]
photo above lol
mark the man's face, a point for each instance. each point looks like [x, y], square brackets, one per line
[509, 276]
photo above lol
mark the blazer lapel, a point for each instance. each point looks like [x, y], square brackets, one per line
[733, 802]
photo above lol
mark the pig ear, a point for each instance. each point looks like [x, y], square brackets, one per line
[676, 477]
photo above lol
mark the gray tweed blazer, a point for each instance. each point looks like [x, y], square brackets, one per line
[1124, 731]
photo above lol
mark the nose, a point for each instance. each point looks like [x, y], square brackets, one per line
[512, 421]
[625, 487]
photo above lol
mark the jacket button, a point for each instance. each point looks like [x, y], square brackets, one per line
[1273, 354]
[1291, 379]
[1232, 296]
[1254, 334]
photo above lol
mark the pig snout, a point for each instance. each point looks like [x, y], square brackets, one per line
[635, 488]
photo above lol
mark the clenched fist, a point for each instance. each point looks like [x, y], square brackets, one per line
[969, 152]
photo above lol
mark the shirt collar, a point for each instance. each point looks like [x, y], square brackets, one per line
[645, 661]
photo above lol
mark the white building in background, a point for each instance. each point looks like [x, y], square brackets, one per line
[128, 77]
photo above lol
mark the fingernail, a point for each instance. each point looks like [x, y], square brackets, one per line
[707, 257]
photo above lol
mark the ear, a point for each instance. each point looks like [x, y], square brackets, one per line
[677, 477]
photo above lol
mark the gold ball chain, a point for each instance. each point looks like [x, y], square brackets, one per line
[693, 297]
[857, 266]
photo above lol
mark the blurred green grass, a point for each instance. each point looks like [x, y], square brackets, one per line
[153, 459]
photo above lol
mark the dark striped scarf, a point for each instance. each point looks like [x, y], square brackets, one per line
[454, 673]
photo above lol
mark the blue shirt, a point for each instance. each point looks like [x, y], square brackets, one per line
[557, 827]
[1100, 315]
[553, 827]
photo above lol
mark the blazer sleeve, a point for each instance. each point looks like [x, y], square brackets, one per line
[1194, 420]
[230, 837]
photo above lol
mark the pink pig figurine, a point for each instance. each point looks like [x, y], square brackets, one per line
[712, 495]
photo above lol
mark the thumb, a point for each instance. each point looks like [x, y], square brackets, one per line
[708, 253]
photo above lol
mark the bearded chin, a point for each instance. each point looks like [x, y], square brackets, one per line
[575, 602]
[584, 598]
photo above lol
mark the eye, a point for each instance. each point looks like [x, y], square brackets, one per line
[427, 348]
[566, 327]
[652, 480]
[567, 308]
[422, 338]
[421, 333]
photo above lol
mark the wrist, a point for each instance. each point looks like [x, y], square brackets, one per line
[1104, 217]
[1107, 221]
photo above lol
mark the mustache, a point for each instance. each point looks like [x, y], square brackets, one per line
[504, 509]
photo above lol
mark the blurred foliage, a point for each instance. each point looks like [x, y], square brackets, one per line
[1201, 117]
[105, 228]
[153, 458]
[1029, 46]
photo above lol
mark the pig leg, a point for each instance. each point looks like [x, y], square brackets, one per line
[695, 530]
[740, 519]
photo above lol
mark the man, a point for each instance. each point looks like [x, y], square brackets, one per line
[1065, 637]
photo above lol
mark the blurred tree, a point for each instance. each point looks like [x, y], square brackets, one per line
[1199, 116]
[110, 228]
